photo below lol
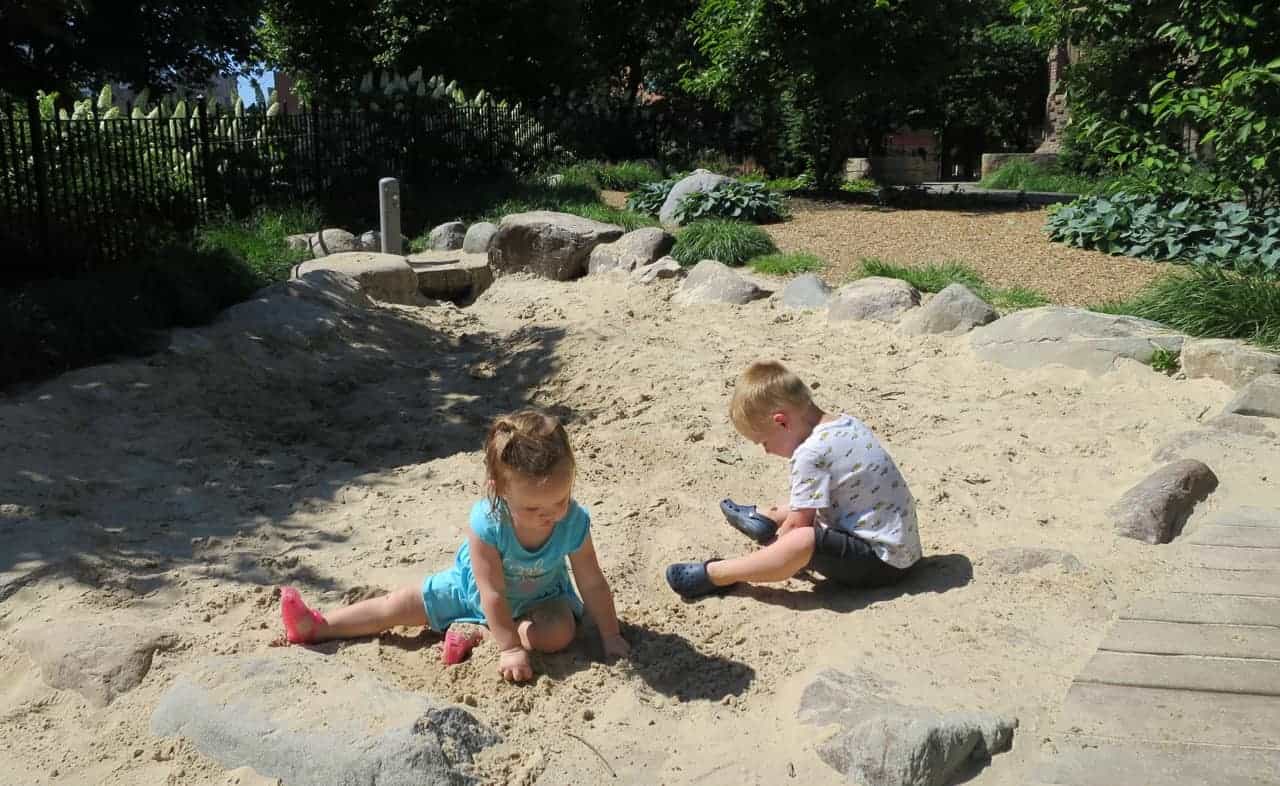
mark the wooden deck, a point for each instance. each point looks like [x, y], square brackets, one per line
[1185, 689]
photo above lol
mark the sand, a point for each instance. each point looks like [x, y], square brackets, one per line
[178, 494]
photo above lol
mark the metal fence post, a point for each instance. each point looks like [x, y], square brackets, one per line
[38, 165]
[389, 209]
[208, 169]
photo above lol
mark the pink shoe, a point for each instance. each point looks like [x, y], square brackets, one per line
[300, 621]
[458, 645]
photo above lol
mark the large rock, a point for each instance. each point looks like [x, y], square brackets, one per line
[386, 277]
[805, 291]
[714, 282]
[699, 180]
[1234, 363]
[874, 298]
[952, 311]
[885, 743]
[447, 237]
[98, 660]
[332, 241]
[452, 275]
[1155, 510]
[479, 236]
[1260, 398]
[633, 250]
[1071, 337]
[667, 267]
[551, 245]
[372, 241]
[302, 717]
[1224, 434]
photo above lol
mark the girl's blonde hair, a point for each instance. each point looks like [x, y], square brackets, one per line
[528, 443]
[764, 388]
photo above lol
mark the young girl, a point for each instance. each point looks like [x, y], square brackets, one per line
[510, 574]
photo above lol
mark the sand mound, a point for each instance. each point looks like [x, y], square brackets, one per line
[315, 438]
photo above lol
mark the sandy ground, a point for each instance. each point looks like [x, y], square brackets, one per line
[178, 493]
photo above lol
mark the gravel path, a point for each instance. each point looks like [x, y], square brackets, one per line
[1008, 247]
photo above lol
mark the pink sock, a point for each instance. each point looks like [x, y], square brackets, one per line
[296, 615]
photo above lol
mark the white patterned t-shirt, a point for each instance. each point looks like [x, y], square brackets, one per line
[843, 473]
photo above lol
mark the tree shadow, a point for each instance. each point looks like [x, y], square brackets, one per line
[934, 574]
[136, 475]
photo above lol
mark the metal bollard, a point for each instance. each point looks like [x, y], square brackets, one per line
[389, 209]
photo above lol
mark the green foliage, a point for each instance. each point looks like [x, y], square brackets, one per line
[937, 277]
[730, 242]
[1210, 302]
[628, 175]
[1193, 230]
[260, 241]
[626, 219]
[1029, 176]
[788, 264]
[571, 195]
[649, 198]
[859, 186]
[733, 199]
[1166, 361]
[1150, 72]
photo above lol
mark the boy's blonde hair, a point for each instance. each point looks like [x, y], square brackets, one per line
[764, 388]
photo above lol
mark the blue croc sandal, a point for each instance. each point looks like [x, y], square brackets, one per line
[747, 520]
[690, 580]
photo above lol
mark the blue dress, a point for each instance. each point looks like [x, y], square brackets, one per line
[531, 577]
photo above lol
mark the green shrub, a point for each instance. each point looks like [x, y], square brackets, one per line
[1194, 230]
[787, 264]
[626, 219]
[730, 242]
[935, 278]
[649, 198]
[583, 176]
[628, 175]
[260, 241]
[733, 199]
[1210, 302]
[859, 186]
[1030, 176]
[1166, 361]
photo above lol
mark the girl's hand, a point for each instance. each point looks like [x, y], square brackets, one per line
[615, 646]
[514, 666]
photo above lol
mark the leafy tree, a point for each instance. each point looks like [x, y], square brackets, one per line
[1157, 76]
[52, 44]
[846, 73]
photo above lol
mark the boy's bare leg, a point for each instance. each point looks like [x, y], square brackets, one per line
[777, 513]
[780, 560]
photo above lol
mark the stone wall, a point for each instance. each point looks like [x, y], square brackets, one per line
[906, 170]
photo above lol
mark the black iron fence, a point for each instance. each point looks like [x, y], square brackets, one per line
[77, 194]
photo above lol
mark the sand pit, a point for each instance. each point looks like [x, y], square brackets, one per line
[335, 446]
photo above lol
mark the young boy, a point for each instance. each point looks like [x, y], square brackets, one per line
[850, 516]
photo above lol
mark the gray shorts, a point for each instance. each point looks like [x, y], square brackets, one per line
[850, 560]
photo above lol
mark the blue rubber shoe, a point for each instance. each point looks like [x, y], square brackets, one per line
[690, 580]
[747, 520]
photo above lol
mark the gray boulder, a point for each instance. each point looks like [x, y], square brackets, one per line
[635, 249]
[1019, 559]
[1155, 510]
[332, 241]
[1260, 398]
[667, 267]
[372, 241]
[451, 275]
[952, 311]
[714, 282]
[1071, 337]
[262, 712]
[98, 660]
[298, 242]
[385, 277]
[447, 237]
[1231, 362]
[699, 180]
[479, 236]
[547, 244]
[1226, 434]
[884, 743]
[805, 291]
[874, 298]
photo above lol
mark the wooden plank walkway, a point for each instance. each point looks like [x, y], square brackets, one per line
[1185, 688]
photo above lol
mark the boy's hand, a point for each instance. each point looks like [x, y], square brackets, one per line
[615, 647]
[514, 665]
